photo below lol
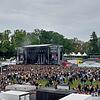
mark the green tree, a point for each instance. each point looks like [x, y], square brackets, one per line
[50, 37]
[94, 44]
[68, 45]
[99, 44]
[35, 36]
[57, 38]
[5, 43]
[45, 37]
[19, 38]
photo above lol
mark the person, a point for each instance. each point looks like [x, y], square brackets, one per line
[55, 84]
[36, 84]
[79, 87]
[91, 80]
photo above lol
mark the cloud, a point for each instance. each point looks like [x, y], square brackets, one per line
[72, 18]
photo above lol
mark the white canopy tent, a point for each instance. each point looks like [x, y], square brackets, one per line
[72, 54]
[84, 54]
[74, 96]
[78, 54]
[65, 55]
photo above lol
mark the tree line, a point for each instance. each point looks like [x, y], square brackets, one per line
[9, 42]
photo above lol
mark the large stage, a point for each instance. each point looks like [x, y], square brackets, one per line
[40, 54]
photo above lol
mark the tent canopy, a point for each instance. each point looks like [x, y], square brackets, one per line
[72, 54]
[65, 55]
[84, 54]
[79, 54]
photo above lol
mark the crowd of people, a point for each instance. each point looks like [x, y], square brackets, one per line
[53, 75]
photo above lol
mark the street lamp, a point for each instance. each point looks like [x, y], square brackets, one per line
[1, 68]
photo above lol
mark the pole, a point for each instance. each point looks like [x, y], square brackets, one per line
[48, 55]
[1, 69]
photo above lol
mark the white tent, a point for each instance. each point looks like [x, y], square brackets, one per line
[84, 54]
[74, 96]
[78, 54]
[72, 54]
[65, 55]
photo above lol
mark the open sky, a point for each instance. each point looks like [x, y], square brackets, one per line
[72, 18]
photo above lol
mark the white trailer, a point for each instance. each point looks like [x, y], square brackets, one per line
[74, 96]
[18, 87]
[14, 95]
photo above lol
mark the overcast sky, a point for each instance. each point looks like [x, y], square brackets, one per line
[72, 18]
